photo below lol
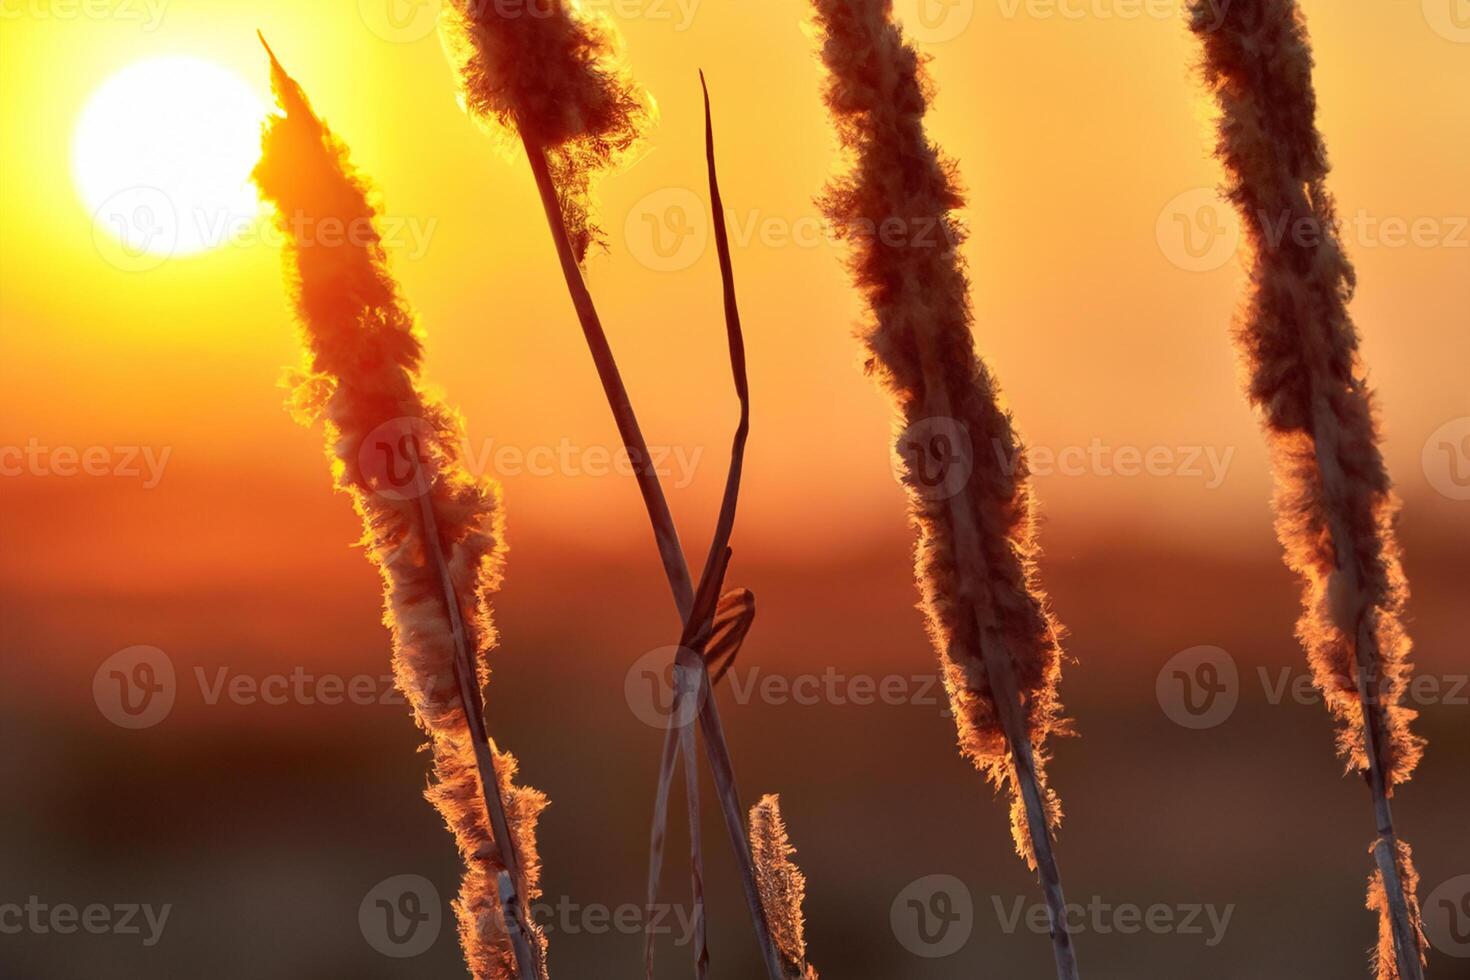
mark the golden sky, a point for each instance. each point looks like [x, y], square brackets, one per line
[1081, 134]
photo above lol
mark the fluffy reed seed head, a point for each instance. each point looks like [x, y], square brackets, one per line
[550, 72]
[1385, 961]
[782, 886]
[895, 205]
[1335, 507]
[361, 380]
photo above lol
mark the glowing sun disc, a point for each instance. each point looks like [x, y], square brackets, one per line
[162, 154]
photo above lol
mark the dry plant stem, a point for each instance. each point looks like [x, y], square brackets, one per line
[675, 566]
[527, 962]
[664, 531]
[1335, 507]
[520, 942]
[697, 630]
[1365, 648]
[696, 847]
[1007, 700]
[1385, 852]
[698, 627]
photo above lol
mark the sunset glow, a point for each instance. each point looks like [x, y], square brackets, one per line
[162, 153]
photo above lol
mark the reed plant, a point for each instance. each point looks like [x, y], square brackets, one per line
[433, 529]
[976, 557]
[556, 84]
[1335, 507]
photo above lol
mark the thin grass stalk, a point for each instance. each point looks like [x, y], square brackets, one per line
[676, 569]
[692, 660]
[557, 85]
[688, 750]
[1335, 507]
[988, 616]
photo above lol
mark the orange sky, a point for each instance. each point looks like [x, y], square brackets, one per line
[1075, 130]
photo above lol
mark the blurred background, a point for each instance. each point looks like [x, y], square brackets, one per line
[156, 494]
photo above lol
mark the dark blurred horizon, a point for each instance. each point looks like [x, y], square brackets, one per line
[265, 826]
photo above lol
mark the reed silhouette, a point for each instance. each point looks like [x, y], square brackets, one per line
[987, 614]
[1335, 507]
[433, 529]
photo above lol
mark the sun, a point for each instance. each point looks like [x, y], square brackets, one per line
[162, 154]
